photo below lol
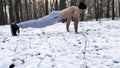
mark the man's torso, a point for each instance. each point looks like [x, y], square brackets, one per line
[69, 12]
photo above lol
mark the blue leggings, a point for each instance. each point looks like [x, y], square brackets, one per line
[50, 19]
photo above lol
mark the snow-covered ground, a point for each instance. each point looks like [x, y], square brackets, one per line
[96, 46]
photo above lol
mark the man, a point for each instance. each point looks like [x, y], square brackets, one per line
[53, 18]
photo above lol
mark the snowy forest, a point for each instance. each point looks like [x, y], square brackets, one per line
[23, 10]
[96, 45]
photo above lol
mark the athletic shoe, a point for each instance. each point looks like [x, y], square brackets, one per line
[14, 29]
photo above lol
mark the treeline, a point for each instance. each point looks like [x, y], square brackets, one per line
[23, 10]
[103, 9]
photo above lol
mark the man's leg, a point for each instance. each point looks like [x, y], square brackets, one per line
[26, 24]
[50, 19]
[38, 23]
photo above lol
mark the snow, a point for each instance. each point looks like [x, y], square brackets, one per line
[96, 46]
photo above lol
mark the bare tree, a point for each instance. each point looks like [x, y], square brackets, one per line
[108, 8]
[35, 9]
[101, 9]
[56, 4]
[96, 9]
[17, 10]
[12, 18]
[113, 15]
[46, 6]
[119, 7]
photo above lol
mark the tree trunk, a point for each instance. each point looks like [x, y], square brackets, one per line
[12, 18]
[119, 7]
[56, 5]
[26, 7]
[108, 8]
[73, 2]
[113, 15]
[17, 10]
[46, 7]
[62, 4]
[35, 9]
[101, 9]
[96, 9]
[21, 15]
[4, 11]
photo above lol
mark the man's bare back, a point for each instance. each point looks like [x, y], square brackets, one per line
[70, 12]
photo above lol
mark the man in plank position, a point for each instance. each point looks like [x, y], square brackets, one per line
[52, 18]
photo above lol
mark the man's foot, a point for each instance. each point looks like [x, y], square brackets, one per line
[14, 29]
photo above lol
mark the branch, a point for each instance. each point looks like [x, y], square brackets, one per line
[16, 47]
[42, 60]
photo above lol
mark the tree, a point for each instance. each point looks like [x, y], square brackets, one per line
[96, 9]
[35, 9]
[108, 8]
[26, 8]
[12, 18]
[17, 10]
[62, 4]
[73, 2]
[101, 9]
[46, 6]
[119, 7]
[113, 15]
[56, 5]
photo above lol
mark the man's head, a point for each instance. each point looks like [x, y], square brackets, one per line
[82, 6]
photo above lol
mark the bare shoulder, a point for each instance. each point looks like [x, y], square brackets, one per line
[70, 8]
[68, 12]
[74, 7]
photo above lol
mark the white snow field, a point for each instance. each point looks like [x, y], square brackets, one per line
[96, 46]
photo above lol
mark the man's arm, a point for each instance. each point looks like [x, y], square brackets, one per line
[68, 23]
[76, 25]
[76, 19]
